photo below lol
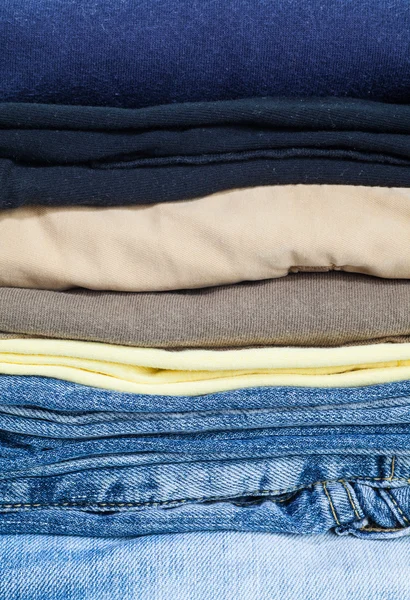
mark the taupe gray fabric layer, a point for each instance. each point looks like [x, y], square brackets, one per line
[304, 309]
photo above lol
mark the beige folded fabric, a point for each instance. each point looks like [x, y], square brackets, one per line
[250, 234]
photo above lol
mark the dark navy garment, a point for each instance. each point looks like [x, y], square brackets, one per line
[79, 155]
[138, 53]
[76, 460]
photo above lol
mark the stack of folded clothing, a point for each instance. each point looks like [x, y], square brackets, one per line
[204, 265]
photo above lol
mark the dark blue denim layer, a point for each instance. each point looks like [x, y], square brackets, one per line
[81, 461]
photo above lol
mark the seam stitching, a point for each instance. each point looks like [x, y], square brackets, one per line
[379, 530]
[200, 499]
[331, 504]
[352, 502]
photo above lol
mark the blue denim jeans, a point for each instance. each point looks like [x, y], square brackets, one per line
[81, 461]
[204, 566]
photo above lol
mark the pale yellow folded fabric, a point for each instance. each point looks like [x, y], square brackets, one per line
[196, 372]
[249, 234]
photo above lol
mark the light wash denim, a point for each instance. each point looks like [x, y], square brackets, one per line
[81, 461]
[204, 566]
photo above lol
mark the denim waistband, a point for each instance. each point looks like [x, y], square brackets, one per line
[290, 460]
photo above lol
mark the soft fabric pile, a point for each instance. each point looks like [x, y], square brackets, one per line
[204, 271]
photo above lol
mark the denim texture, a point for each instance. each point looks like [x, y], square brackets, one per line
[81, 461]
[138, 52]
[203, 566]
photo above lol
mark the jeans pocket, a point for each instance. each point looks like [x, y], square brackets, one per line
[385, 509]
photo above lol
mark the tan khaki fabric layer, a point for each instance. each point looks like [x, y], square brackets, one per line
[251, 234]
[306, 309]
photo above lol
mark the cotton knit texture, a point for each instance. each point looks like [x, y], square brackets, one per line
[307, 309]
[197, 372]
[70, 155]
[138, 52]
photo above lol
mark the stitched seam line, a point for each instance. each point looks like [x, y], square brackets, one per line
[349, 495]
[378, 530]
[200, 499]
[405, 519]
[128, 504]
[331, 504]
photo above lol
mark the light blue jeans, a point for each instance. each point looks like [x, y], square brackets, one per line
[81, 461]
[204, 566]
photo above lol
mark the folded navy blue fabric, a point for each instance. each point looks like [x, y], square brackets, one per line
[75, 155]
[138, 53]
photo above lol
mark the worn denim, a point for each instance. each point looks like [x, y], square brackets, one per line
[81, 461]
[204, 566]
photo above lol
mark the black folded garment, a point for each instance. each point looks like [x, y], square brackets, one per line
[71, 155]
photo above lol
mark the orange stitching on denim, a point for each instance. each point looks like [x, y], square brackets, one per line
[331, 504]
[356, 512]
[405, 519]
[380, 530]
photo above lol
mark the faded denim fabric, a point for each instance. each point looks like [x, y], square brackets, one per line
[81, 461]
[204, 566]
